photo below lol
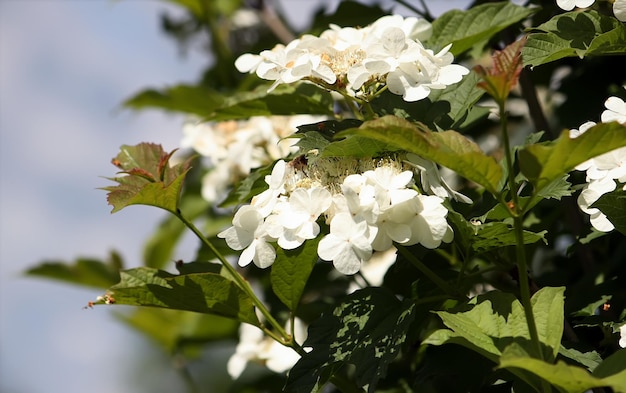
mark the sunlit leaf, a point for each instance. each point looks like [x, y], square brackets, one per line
[291, 270]
[365, 330]
[464, 29]
[575, 34]
[195, 100]
[447, 148]
[207, 293]
[146, 178]
[544, 163]
[567, 378]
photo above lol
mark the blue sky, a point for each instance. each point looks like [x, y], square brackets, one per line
[65, 66]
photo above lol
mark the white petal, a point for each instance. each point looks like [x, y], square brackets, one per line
[247, 62]
[619, 10]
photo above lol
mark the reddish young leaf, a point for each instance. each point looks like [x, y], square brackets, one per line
[501, 78]
[146, 178]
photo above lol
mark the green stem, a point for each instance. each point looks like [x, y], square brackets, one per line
[432, 276]
[282, 336]
[522, 266]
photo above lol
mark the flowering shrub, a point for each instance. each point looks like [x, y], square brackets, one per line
[382, 215]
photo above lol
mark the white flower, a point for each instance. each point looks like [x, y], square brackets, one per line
[590, 194]
[569, 5]
[432, 181]
[622, 336]
[414, 81]
[615, 109]
[619, 10]
[254, 346]
[347, 244]
[249, 234]
[426, 216]
[266, 200]
[296, 218]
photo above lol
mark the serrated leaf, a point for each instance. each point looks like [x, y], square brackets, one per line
[84, 271]
[587, 359]
[613, 205]
[497, 319]
[504, 72]
[303, 98]
[443, 109]
[366, 330]
[196, 100]
[206, 293]
[544, 163]
[567, 378]
[494, 235]
[447, 148]
[147, 178]
[291, 270]
[574, 34]
[465, 29]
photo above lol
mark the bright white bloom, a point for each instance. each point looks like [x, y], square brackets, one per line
[622, 336]
[254, 346]
[360, 61]
[426, 216]
[266, 200]
[615, 110]
[347, 244]
[249, 234]
[569, 5]
[296, 219]
[619, 10]
[604, 170]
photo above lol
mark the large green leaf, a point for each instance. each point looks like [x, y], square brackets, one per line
[496, 319]
[366, 330]
[84, 271]
[195, 100]
[207, 293]
[284, 100]
[447, 148]
[464, 29]
[575, 34]
[567, 378]
[208, 104]
[545, 163]
[291, 270]
[146, 178]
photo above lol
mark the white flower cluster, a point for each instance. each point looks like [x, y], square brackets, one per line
[362, 61]
[368, 204]
[619, 6]
[603, 170]
[233, 148]
[256, 347]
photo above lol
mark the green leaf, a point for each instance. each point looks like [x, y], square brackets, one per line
[250, 186]
[178, 331]
[613, 205]
[291, 270]
[447, 148]
[286, 99]
[496, 319]
[494, 235]
[465, 29]
[206, 293]
[84, 271]
[575, 34]
[567, 378]
[591, 360]
[544, 163]
[443, 109]
[196, 100]
[365, 330]
[147, 178]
